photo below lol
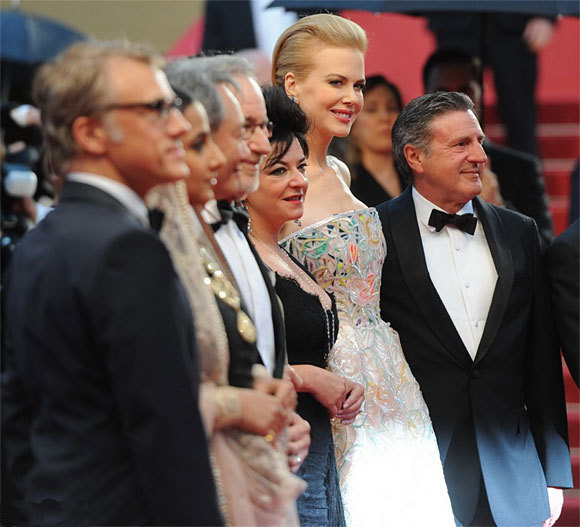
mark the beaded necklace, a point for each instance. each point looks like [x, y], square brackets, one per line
[306, 284]
[216, 279]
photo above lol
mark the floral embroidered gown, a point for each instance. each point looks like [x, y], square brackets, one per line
[388, 461]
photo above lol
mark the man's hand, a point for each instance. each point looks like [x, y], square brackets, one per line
[491, 193]
[556, 499]
[299, 441]
[538, 33]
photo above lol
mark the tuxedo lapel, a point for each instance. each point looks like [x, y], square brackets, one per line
[277, 315]
[402, 220]
[502, 259]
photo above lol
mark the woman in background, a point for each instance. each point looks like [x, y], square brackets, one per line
[370, 152]
[310, 313]
[389, 467]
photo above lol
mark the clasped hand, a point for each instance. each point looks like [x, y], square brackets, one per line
[268, 408]
[341, 397]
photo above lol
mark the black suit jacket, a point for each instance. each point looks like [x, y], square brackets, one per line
[243, 354]
[100, 392]
[522, 185]
[563, 269]
[503, 414]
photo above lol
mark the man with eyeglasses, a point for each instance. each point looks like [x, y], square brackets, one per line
[100, 388]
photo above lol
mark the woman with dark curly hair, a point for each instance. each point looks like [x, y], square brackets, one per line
[310, 313]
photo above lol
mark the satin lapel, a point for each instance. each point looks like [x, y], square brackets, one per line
[277, 315]
[502, 259]
[407, 240]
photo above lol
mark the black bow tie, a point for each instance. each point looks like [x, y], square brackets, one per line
[464, 222]
[231, 212]
[156, 219]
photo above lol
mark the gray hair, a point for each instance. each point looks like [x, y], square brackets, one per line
[231, 64]
[192, 79]
[413, 126]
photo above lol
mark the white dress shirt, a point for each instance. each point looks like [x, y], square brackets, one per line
[244, 267]
[127, 196]
[461, 269]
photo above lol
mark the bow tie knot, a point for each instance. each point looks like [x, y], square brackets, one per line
[229, 212]
[464, 222]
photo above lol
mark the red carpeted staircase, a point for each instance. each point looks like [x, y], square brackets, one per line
[559, 138]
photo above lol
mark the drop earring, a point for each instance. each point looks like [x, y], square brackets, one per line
[298, 222]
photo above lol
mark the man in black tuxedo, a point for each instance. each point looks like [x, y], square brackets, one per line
[100, 392]
[562, 261]
[463, 284]
[511, 178]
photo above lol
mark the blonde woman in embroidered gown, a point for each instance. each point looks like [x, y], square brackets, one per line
[255, 485]
[388, 461]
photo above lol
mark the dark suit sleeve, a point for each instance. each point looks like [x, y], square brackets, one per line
[16, 449]
[533, 201]
[145, 330]
[522, 186]
[562, 269]
[544, 386]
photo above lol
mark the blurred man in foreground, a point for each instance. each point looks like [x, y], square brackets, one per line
[100, 393]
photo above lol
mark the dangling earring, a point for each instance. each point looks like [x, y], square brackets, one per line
[294, 100]
[298, 222]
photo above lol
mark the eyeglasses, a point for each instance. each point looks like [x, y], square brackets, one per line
[249, 128]
[162, 107]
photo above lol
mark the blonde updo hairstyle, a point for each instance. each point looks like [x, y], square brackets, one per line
[294, 49]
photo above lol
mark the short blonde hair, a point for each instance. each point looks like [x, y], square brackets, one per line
[74, 84]
[293, 51]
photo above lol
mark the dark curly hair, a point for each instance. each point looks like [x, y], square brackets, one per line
[289, 123]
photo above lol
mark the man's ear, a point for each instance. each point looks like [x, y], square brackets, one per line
[291, 85]
[414, 157]
[90, 135]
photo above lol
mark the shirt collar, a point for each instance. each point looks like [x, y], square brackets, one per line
[210, 212]
[423, 208]
[121, 192]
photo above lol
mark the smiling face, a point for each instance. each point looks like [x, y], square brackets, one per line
[254, 110]
[283, 185]
[372, 130]
[331, 94]
[448, 173]
[202, 155]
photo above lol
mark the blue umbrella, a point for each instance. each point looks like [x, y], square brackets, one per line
[537, 7]
[31, 39]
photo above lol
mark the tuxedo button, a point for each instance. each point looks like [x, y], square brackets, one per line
[476, 324]
[467, 285]
[475, 374]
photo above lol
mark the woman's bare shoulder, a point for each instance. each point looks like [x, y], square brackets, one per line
[341, 168]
